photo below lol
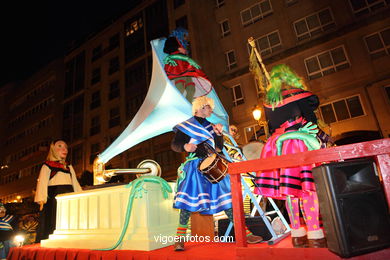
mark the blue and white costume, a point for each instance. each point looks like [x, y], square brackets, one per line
[194, 192]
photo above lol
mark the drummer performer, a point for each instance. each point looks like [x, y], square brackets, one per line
[195, 193]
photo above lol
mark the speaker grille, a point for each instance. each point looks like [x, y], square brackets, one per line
[353, 207]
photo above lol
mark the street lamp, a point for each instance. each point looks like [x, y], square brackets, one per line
[257, 112]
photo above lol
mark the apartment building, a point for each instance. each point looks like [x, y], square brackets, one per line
[31, 116]
[341, 48]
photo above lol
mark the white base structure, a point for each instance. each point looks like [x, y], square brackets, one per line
[94, 219]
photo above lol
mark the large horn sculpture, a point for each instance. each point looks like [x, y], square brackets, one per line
[163, 108]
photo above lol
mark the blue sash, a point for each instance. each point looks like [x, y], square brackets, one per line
[4, 222]
[198, 133]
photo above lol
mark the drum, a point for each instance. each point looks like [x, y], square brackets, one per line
[214, 168]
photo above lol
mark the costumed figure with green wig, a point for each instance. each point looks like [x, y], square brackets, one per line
[183, 71]
[195, 193]
[289, 109]
[6, 231]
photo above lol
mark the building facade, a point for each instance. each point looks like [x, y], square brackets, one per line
[341, 49]
[31, 117]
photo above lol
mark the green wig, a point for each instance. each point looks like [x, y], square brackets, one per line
[282, 77]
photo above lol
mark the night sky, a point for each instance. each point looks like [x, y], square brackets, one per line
[35, 32]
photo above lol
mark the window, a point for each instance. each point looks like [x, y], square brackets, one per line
[387, 89]
[378, 44]
[342, 109]
[95, 126]
[94, 152]
[77, 154]
[362, 7]
[326, 62]
[74, 75]
[230, 60]
[97, 52]
[114, 90]
[225, 28]
[237, 95]
[314, 24]
[178, 3]
[253, 132]
[134, 38]
[219, 3]
[95, 77]
[135, 77]
[133, 104]
[114, 42]
[291, 2]
[114, 65]
[268, 43]
[168, 158]
[182, 22]
[73, 118]
[115, 118]
[256, 12]
[95, 100]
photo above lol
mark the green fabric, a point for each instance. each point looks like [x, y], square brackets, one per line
[180, 171]
[170, 60]
[137, 191]
[307, 134]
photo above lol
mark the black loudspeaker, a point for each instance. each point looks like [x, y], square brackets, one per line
[353, 207]
[255, 224]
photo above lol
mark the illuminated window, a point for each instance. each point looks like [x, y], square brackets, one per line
[231, 61]
[326, 62]
[342, 109]
[362, 7]
[133, 27]
[238, 97]
[314, 24]
[378, 44]
[134, 42]
[256, 12]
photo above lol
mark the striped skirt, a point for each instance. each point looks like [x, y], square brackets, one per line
[196, 194]
[278, 183]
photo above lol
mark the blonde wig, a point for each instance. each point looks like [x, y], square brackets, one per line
[201, 102]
